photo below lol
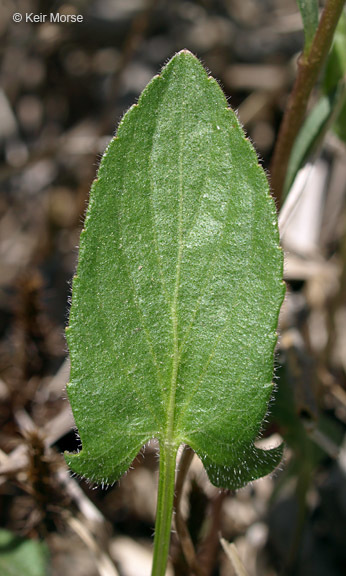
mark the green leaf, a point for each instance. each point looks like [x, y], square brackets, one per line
[178, 288]
[309, 13]
[335, 74]
[21, 557]
[336, 63]
[330, 110]
[313, 130]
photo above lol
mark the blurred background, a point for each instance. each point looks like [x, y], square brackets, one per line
[64, 88]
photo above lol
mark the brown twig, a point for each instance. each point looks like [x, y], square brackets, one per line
[232, 554]
[309, 66]
[102, 559]
[180, 524]
[209, 547]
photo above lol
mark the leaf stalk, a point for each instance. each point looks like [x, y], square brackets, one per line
[164, 508]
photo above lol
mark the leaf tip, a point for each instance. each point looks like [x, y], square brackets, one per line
[185, 52]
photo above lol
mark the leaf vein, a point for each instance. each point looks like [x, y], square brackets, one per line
[153, 212]
[175, 363]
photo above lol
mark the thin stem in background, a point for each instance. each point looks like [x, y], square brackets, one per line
[209, 547]
[201, 564]
[180, 524]
[309, 66]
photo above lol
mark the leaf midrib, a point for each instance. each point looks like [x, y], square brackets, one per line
[174, 310]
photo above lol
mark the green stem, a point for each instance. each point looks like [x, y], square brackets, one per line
[164, 509]
[309, 66]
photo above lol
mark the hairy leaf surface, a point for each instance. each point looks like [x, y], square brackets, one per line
[178, 288]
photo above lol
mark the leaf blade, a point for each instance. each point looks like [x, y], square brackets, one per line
[181, 237]
[20, 556]
[313, 131]
[309, 13]
[335, 75]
